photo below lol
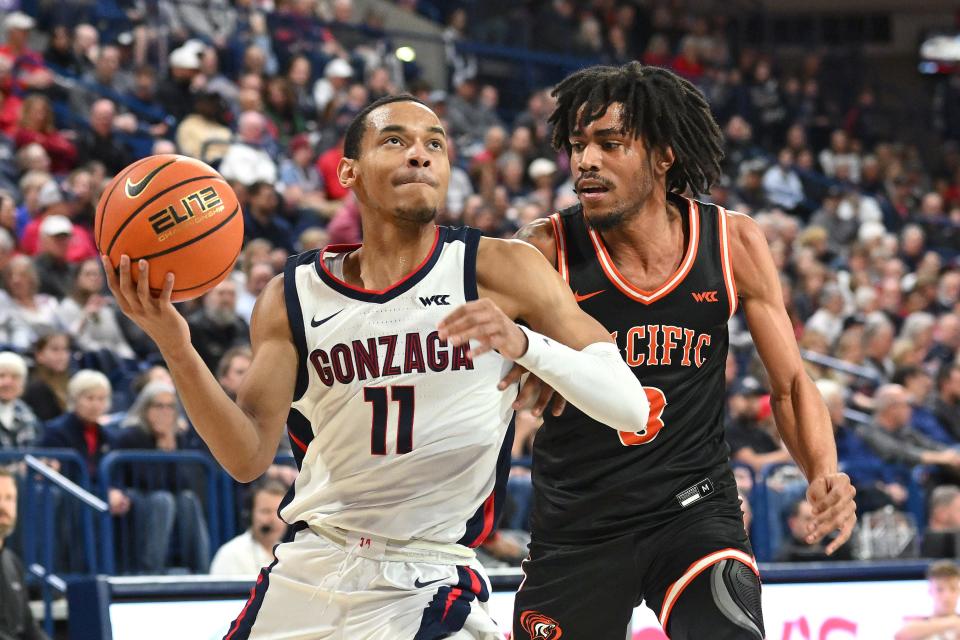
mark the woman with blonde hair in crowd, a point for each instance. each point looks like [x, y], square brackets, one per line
[37, 310]
[90, 317]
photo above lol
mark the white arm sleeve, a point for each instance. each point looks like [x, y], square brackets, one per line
[596, 380]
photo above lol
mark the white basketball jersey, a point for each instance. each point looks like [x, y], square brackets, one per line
[396, 433]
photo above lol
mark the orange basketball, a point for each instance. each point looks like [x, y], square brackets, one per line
[178, 214]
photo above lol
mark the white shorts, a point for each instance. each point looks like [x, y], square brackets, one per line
[346, 587]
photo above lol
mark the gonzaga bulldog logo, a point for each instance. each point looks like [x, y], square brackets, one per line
[539, 626]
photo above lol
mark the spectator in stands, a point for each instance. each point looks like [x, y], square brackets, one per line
[100, 142]
[213, 21]
[19, 426]
[176, 92]
[46, 391]
[90, 317]
[280, 103]
[946, 406]
[205, 125]
[11, 105]
[86, 44]
[16, 617]
[330, 91]
[302, 181]
[107, 79]
[216, 326]
[828, 319]
[878, 334]
[51, 261]
[943, 584]
[60, 52]
[232, 368]
[469, 119]
[258, 275]
[252, 550]
[840, 152]
[263, 219]
[919, 383]
[80, 429]
[30, 72]
[162, 497]
[37, 126]
[940, 540]
[782, 184]
[749, 434]
[246, 161]
[38, 311]
[800, 521]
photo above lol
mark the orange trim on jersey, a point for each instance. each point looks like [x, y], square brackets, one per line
[695, 569]
[340, 248]
[297, 441]
[636, 293]
[561, 247]
[728, 280]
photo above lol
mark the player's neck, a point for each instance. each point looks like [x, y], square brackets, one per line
[390, 252]
[649, 241]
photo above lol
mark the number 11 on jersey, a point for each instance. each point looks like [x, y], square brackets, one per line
[403, 396]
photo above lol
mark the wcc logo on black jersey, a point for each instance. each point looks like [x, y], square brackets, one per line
[436, 301]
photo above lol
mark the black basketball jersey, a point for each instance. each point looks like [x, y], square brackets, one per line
[592, 482]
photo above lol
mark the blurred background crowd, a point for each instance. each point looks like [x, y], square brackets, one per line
[856, 187]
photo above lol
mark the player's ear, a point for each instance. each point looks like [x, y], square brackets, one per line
[664, 159]
[347, 172]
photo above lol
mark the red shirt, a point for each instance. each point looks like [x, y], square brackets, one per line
[327, 167]
[91, 435]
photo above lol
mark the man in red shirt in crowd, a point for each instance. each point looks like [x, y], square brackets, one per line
[29, 71]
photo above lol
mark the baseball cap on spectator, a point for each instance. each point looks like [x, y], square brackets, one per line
[338, 68]
[56, 225]
[298, 142]
[49, 195]
[18, 20]
[437, 96]
[748, 386]
[185, 58]
[542, 167]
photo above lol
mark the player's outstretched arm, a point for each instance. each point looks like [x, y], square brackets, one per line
[924, 629]
[798, 409]
[243, 436]
[575, 355]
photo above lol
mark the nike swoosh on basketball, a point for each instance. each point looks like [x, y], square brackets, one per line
[587, 296]
[134, 189]
[420, 585]
[317, 323]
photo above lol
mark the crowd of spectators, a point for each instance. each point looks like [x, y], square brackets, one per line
[864, 228]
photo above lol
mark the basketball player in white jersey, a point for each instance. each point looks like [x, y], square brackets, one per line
[398, 422]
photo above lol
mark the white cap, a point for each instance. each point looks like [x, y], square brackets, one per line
[18, 20]
[542, 167]
[49, 194]
[55, 226]
[185, 58]
[338, 68]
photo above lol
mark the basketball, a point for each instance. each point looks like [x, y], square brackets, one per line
[177, 213]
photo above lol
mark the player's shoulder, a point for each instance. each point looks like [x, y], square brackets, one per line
[542, 234]
[743, 231]
[270, 311]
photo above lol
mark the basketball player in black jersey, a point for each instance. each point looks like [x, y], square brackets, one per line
[654, 515]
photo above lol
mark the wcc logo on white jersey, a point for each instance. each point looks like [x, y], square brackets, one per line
[437, 301]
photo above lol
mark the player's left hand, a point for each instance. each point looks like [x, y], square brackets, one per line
[831, 496]
[535, 394]
[487, 325]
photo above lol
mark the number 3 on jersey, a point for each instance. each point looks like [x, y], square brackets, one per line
[377, 396]
[658, 402]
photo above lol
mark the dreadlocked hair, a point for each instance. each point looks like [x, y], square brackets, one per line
[658, 106]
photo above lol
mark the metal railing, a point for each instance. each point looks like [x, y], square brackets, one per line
[38, 472]
[116, 462]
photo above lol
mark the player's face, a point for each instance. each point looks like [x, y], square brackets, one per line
[403, 167]
[613, 171]
[945, 593]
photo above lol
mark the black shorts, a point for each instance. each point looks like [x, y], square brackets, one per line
[589, 591]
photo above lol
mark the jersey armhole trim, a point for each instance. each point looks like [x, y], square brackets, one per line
[728, 279]
[471, 244]
[295, 317]
[561, 247]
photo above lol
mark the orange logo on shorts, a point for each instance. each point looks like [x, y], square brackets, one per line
[539, 626]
